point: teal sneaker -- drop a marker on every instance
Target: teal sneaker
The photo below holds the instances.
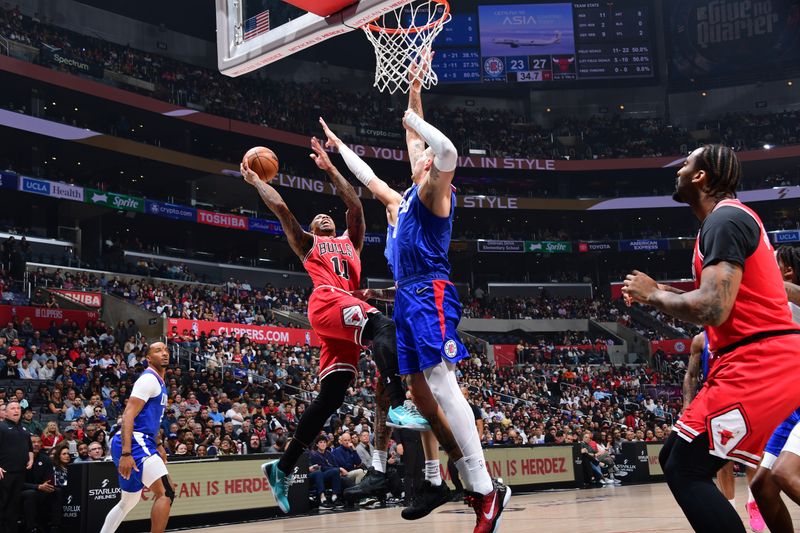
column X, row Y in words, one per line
column 407, row 417
column 278, row 482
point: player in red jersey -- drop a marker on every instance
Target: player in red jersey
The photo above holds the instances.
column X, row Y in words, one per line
column 341, row 321
column 741, row 301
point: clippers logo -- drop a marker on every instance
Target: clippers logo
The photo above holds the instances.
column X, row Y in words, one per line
column 450, row 348
column 494, row 67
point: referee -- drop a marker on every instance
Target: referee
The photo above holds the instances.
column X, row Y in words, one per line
column 16, row 456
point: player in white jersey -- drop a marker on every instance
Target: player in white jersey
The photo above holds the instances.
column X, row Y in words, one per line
column 137, row 452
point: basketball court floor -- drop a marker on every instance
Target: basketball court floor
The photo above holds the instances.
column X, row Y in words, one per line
column 639, row 508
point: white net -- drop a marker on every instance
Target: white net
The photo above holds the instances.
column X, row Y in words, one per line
column 403, row 38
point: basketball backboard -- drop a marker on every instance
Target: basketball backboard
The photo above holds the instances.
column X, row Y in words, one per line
column 255, row 33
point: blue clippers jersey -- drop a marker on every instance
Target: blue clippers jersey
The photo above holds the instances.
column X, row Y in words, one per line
column 704, row 358
column 149, row 418
column 421, row 240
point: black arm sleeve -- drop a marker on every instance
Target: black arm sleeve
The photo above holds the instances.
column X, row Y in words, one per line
column 729, row 234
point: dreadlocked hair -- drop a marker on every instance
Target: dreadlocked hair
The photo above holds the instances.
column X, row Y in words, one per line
column 723, row 169
column 790, row 257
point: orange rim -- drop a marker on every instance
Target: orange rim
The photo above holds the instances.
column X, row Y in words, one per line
column 394, row 31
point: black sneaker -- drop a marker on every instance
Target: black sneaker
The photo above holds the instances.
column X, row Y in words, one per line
column 374, row 483
column 426, row 500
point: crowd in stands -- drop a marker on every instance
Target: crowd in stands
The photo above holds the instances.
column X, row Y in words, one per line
column 277, row 104
column 482, row 306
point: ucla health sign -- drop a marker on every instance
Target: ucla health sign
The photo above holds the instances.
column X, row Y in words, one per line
column 35, row 186
column 54, row 189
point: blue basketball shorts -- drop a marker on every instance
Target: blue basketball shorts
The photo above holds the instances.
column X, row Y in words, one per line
column 779, row 439
column 148, row 461
column 427, row 313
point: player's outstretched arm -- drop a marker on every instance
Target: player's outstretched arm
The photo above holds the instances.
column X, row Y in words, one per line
column 356, row 225
column 710, row 304
column 445, row 158
column 692, row 377
column 362, row 171
column 300, row 240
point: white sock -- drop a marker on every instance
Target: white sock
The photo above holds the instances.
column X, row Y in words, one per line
column 750, row 497
column 432, row 473
column 733, row 503
column 379, row 460
column 478, row 475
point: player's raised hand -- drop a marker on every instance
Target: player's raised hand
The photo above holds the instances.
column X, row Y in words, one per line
column 320, row 156
column 333, row 141
column 248, row 174
column 419, row 68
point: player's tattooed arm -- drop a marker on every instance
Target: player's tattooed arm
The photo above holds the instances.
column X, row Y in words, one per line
column 692, row 377
column 356, row 225
column 300, row 240
column 710, row 304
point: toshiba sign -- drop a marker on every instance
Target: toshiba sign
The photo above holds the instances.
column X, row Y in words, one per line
column 89, row 299
column 222, row 220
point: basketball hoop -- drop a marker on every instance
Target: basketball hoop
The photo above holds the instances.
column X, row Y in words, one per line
column 402, row 38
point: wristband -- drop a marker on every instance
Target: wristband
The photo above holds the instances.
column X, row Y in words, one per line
column 125, row 454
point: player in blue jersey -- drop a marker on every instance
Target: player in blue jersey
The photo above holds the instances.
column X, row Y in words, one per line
column 433, row 492
column 139, row 455
column 700, row 362
column 427, row 308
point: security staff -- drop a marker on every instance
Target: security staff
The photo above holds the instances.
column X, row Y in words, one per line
column 41, row 499
column 16, row 456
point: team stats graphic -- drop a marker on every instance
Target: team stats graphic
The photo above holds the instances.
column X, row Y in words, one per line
column 548, row 42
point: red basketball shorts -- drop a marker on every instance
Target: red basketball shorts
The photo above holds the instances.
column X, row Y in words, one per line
column 338, row 318
column 748, row 393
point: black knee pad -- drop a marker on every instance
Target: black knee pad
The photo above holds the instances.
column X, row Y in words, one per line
column 168, row 490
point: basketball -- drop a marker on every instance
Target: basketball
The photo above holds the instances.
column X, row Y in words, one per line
column 263, row 162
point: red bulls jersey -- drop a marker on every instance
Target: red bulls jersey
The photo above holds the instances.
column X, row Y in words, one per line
column 334, row 261
column 761, row 304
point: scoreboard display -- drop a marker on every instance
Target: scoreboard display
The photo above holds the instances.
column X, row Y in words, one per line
column 548, row 42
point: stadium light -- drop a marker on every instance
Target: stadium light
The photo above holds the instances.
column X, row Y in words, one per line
column 767, row 147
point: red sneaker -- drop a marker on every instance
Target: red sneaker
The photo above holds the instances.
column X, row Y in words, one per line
column 489, row 507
